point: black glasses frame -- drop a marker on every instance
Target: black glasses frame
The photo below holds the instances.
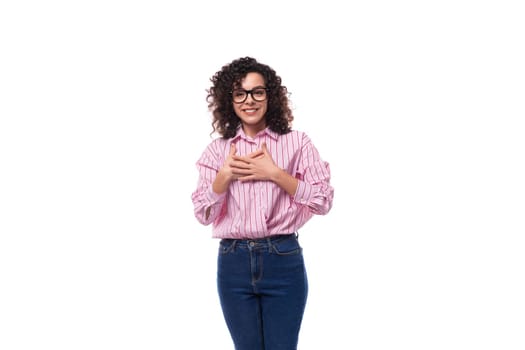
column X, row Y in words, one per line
column 250, row 92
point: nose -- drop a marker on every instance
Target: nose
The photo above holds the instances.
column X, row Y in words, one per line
column 249, row 99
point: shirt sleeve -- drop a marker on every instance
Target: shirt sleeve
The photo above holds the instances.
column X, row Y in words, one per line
column 207, row 204
column 314, row 189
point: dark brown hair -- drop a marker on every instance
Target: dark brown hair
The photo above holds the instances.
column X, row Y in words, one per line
column 278, row 115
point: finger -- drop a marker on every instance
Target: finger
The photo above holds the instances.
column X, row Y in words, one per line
column 232, row 149
column 256, row 154
column 237, row 176
column 246, row 178
column 242, row 159
column 265, row 149
column 241, row 172
column 239, row 164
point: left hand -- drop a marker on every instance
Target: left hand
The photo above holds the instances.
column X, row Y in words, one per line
column 258, row 165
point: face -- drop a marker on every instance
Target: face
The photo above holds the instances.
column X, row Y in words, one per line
column 252, row 111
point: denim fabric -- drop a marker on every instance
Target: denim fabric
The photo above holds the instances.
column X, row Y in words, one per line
column 263, row 289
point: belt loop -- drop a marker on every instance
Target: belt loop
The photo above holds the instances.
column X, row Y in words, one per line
column 269, row 241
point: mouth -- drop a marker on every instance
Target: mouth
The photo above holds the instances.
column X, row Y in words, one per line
column 250, row 110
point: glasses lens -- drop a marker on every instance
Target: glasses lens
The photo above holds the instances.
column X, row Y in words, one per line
column 259, row 94
column 239, row 95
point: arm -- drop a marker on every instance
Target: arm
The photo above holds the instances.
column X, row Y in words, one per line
column 313, row 189
column 208, row 198
column 207, row 204
column 225, row 175
column 286, row 181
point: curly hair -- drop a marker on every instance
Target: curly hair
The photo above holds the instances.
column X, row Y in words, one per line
column 278, row 115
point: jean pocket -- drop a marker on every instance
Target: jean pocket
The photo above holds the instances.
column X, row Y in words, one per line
column 289, row 246
column 226, row 246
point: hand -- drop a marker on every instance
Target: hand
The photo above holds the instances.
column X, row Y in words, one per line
column 225, row 175
column 227, row 170
column 258, row 165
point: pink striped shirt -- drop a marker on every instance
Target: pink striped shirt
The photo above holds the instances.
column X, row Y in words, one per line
column 256, row 209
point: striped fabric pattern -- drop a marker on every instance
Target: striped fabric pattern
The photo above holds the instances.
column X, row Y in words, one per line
column 257, row 209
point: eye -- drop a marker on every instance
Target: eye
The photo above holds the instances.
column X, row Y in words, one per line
column 239, row 93
column 259, row 92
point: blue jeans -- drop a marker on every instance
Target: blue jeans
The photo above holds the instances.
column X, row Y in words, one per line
column 263, row 289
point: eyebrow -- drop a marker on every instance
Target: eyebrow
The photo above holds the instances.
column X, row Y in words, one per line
column 253, row 88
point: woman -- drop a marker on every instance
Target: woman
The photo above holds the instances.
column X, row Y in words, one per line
column 258, row 185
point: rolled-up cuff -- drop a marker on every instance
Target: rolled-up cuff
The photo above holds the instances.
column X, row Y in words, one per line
column 304, row 193
column 213, row 197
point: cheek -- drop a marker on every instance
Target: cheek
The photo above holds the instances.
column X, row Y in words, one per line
column 236, row 109
column 265, row 108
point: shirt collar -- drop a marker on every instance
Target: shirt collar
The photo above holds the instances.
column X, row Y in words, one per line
column 267, row 131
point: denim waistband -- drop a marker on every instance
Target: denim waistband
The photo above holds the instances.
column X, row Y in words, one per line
column 259, row 241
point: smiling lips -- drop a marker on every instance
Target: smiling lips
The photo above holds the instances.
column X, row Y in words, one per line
column 250, row 110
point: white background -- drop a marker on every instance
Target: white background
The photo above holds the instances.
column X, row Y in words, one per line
column 417, row 106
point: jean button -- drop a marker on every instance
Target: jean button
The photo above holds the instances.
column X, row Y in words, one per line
column 252, row 244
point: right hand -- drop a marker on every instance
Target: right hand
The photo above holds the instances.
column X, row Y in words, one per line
column 227, row 169
column 226, row 173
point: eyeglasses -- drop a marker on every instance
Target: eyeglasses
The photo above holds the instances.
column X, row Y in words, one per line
column 258, row 94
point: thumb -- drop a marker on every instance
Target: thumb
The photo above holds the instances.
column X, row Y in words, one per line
column 232, row 149
column 264, row 149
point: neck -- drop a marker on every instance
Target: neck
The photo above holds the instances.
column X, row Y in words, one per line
column 252, row 130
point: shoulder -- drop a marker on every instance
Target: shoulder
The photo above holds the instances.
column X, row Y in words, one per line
column 217, row 144
column 300, row 137
column 215, row 149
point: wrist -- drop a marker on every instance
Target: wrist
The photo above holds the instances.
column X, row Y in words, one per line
column 278, row 174
column 221, row 183
column 286, row 181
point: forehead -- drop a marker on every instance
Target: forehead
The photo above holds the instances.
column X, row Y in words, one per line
column 252, row 80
